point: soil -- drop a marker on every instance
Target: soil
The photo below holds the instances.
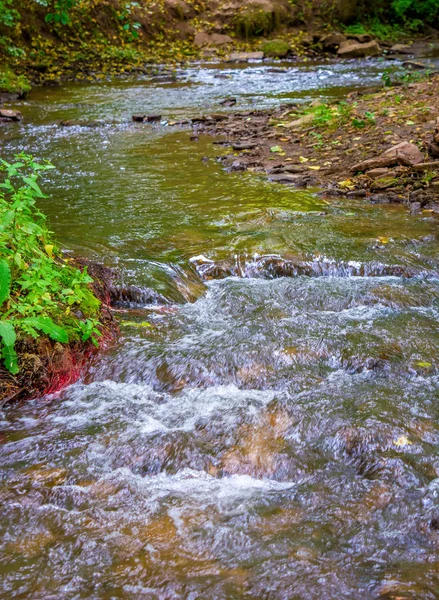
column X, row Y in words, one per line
column 290, row 146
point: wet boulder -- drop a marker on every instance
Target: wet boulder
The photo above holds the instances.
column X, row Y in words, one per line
column 352, row 49
column 228, row 101
column 332, row 41
column 10, row 115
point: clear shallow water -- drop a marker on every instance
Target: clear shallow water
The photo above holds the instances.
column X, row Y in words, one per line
column 275, row 437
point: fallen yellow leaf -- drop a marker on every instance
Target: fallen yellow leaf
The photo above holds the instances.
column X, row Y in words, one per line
column 402, row 441
column 347, row 184
column 49, row 250
column 302, row 159
column 383, row 240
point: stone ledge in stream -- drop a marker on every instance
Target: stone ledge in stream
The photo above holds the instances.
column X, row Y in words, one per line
column 272, row 266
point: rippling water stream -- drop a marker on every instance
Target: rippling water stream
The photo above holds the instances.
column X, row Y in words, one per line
column 272, row 432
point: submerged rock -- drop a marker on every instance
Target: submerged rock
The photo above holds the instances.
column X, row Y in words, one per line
column 81, row 123
column 140, row 118
column 285, row 177
column 228, row 101
column 133, row 295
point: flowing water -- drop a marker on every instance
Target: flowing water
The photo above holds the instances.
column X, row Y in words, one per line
column 270, row 432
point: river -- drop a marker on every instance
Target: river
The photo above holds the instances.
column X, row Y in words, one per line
column 272, row 432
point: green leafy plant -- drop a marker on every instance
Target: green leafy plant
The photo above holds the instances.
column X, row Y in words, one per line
column 358, row 123
column 8, row 16
column 59, row 10
column 326, row 116
column 416, row 11
column 370, row 118
column 125, row 15
column 40, row 292
column 385, row 77
column 323, row 114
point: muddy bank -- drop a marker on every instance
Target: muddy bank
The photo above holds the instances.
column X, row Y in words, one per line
column 383, row 145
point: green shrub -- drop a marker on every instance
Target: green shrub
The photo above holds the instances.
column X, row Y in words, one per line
column 40, row 293
column 424, row 10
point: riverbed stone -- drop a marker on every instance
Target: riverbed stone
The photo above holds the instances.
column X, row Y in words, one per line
column 404, row 153
column 245, row 56
column 211, row 39
column 378, row 172
column 360, row 37
column 245, row 145
column 299, row 123
column 332, row 41
column 285, row 178
column 10, row 115
column 350, row 49
column 415, row 208
column 401, row 49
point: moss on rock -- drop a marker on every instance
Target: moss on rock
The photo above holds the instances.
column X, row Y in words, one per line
column 276, row 49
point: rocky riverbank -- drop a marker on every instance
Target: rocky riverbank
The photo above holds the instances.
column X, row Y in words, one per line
column 383, row 146
column 92, row 41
